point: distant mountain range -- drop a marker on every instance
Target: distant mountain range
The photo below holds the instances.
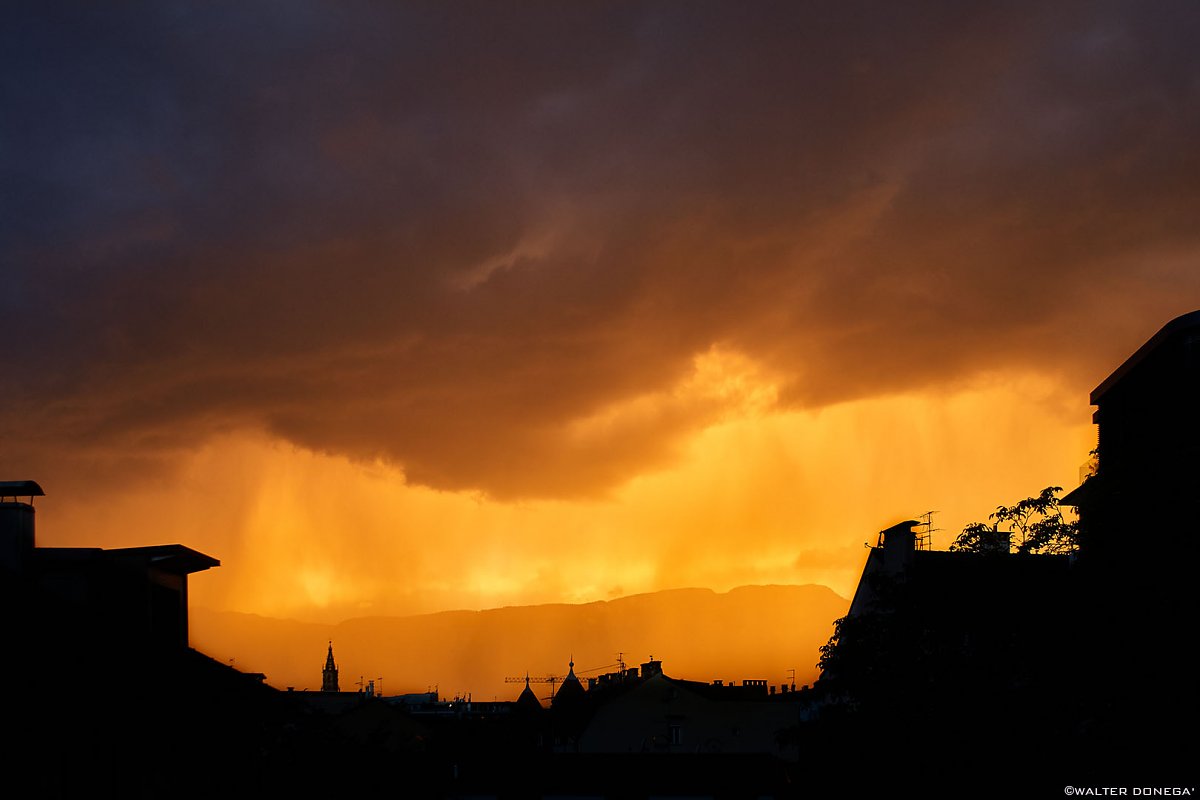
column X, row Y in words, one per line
column 751, row 632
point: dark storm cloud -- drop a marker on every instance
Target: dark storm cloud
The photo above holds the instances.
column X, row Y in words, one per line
column 440, row 233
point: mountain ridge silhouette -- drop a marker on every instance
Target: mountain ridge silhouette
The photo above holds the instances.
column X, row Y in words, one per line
column 750, row 631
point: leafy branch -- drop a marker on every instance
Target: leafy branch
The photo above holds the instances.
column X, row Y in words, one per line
column 1033, row 525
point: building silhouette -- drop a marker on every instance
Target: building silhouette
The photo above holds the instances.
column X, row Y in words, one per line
column 329, row 675
column 1147, row 458
column 110, row 699
column 1080, row 659
column 655, row 713
column 1139, row 522
column 131, row 596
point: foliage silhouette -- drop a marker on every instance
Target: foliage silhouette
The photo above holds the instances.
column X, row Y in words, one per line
column 1036, row 524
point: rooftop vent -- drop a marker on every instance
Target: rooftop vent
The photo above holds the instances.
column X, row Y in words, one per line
column 16, row 523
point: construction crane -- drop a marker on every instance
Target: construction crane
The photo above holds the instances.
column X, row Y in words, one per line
column 555, row 680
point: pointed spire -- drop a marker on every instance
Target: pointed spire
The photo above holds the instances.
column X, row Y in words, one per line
column 329, row 675
column 527, row 700
column 571, row 689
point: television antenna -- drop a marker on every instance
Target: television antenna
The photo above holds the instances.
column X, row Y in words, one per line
column 926, row 530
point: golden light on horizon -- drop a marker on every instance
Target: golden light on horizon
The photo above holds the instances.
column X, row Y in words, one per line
column 761, row 496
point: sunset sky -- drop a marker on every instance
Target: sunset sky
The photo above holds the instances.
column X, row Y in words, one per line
column 399, row 308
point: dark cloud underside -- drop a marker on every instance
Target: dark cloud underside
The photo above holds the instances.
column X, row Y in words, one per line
column 442, row 233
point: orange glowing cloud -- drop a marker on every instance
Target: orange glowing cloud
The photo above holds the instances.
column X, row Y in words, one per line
column 759, row 496
column 492, row 266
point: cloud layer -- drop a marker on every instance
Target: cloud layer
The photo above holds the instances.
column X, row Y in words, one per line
column 530, row 251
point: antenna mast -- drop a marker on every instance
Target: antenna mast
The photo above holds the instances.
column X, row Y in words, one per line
column 926, row 530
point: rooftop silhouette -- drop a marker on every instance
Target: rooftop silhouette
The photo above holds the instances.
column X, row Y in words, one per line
column 1045, row 652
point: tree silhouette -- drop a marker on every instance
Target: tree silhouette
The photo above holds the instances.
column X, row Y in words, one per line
column 1033, row 525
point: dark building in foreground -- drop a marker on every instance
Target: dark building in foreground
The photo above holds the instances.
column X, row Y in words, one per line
column 953, row 582
column 941, row 649
column 1143, row 500
column 108, row 698
column 1139, row 515
column 131, row 596
column 1077, row 666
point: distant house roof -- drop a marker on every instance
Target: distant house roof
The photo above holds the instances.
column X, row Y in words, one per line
column 1190, row 320
column 667, row 715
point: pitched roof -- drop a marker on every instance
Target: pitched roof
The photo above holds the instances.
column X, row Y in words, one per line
column 527, row 699
column 571, row 688
column 1181, row 323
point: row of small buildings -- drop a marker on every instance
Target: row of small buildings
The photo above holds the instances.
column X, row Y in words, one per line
column 636, row 709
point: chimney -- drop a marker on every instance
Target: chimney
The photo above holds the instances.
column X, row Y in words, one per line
column 650, row 668
column 16, row 524
column 995, row 541
column 899, row 542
